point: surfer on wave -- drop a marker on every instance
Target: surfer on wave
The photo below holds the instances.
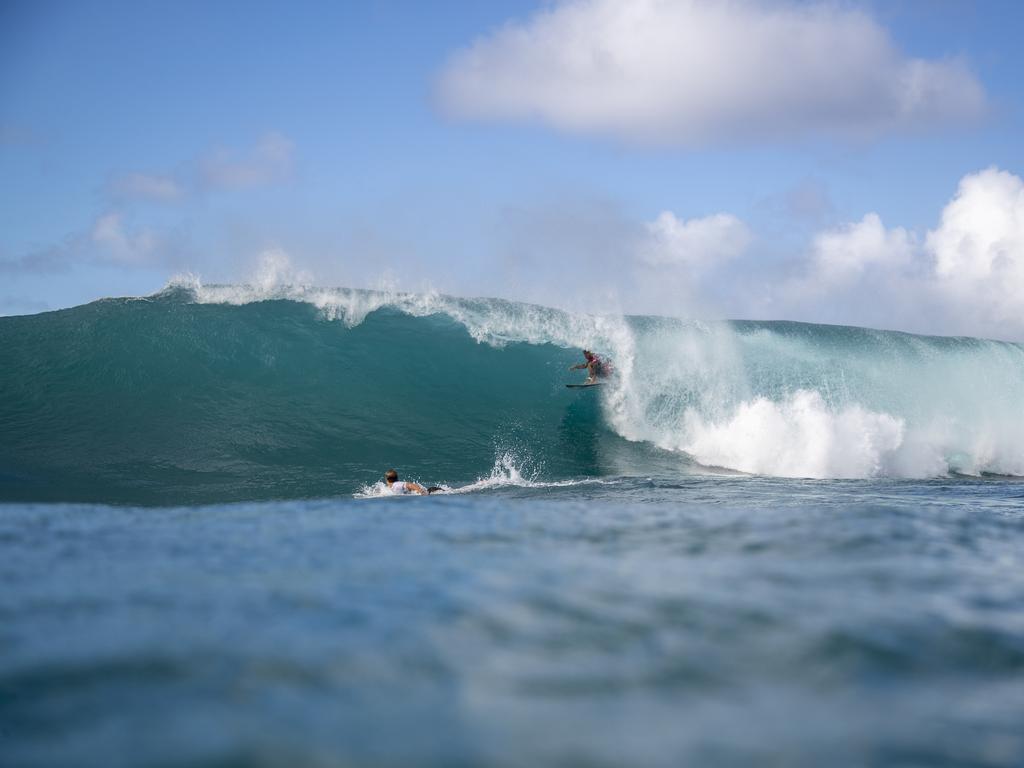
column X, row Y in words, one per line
column 596, row 367
column 399, row 487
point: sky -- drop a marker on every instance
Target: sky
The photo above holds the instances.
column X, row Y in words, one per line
column 841, row 162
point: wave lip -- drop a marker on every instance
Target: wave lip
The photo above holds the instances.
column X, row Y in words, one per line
column 496, row 322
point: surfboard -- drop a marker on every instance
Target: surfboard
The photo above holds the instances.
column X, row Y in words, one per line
column 585, row 386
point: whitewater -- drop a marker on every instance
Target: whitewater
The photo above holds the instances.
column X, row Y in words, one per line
column 760, row 543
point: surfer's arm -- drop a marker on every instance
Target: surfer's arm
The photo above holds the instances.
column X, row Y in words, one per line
column 578, row 367
column 416, row 488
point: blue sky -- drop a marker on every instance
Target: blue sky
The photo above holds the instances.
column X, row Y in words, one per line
column 539, row 151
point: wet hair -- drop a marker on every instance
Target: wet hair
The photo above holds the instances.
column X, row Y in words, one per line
column 391, row 476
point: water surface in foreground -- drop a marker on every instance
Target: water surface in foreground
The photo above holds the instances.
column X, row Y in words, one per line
column 712, row 621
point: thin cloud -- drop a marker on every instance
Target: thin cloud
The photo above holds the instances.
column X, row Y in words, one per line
column 808, row 200
column 121, row 246
column 15, row 135
column 271, row 161
column 143, row 186
column 18, row 305
column 110, row 240
column 591, row 256
column 117, row 235
column 688, row 72
column 42, row 260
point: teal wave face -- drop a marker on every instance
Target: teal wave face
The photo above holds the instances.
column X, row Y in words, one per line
column 170, row 401
column 220, row 394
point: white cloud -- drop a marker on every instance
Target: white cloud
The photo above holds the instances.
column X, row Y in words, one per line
column 697, row 71
column 845, row 253
column 978, row 249
column 119, row 245
column 675, row 261
column 965, row 277
column 697, row 244
column 269, row 162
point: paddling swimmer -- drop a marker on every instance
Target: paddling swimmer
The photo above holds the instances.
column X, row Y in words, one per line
column 398, row 487
column 596, row 367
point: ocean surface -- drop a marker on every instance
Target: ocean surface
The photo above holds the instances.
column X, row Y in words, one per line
column 760, row 543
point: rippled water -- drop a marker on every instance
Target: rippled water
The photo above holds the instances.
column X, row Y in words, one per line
column 705, row 621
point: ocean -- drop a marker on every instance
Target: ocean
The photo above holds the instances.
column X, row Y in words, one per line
column 760, row 543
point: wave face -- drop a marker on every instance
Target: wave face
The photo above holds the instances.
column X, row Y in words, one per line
column 204, row 394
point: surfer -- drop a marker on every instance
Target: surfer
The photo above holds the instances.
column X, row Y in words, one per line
column 399, row 487
column 596, row 367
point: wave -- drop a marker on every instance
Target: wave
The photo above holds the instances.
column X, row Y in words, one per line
column 210, row 393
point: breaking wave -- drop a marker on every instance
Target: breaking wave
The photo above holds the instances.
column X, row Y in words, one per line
column 208, row 393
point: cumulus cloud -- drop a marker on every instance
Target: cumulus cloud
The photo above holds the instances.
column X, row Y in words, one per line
column 965, row 276
column 270, row 161
column 697, row 244
column 698, row 71
column 844, row 254
column 978, row 249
